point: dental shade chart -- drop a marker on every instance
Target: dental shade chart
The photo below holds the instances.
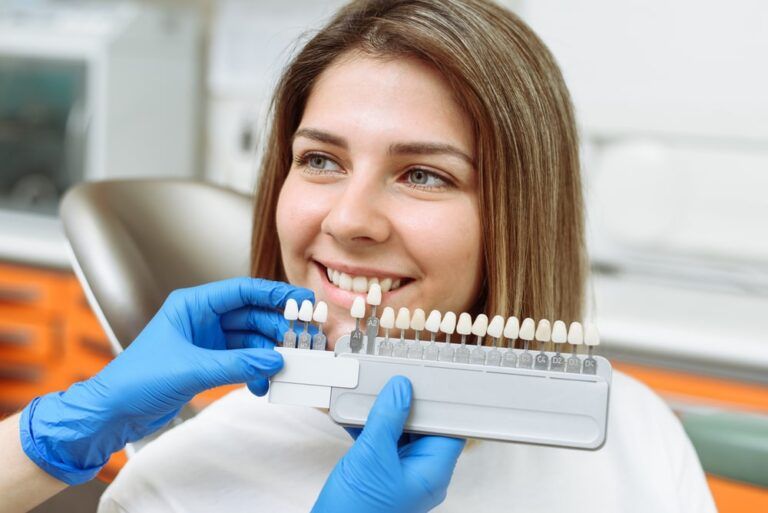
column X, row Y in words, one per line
column 489, row 389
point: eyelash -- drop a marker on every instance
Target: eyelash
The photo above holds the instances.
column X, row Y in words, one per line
column 302, row 161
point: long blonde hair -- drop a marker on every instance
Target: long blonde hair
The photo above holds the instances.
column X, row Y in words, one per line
column 525, row 138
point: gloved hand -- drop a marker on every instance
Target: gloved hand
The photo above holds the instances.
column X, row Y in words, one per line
column 202, row 337
column 386, row 471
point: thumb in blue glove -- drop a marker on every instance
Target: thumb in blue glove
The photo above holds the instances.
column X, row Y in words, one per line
column 386, row 471
column 202, row 337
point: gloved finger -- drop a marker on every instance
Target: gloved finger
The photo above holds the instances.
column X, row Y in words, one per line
column 389, row 413
column 269, row 323
column 246, row 339
column 433, row 459
column 224, row 296
column 225, row 367
column 258, row 387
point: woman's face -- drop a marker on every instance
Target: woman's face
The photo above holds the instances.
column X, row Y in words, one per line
column 382, row 187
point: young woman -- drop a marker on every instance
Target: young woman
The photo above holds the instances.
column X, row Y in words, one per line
column 429, row 145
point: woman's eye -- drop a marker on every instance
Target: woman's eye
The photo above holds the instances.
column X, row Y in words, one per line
column 316, row 163
column 423, row 179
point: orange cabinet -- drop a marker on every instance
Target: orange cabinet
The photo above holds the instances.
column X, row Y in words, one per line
column 49, row 338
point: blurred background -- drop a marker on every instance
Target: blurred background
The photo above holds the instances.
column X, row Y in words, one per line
column 673, row 111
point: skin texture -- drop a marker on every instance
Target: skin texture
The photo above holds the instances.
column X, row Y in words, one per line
column 23, row 485
column 357, row 197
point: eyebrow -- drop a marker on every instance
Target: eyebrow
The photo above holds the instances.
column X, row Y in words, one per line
column 410, row 148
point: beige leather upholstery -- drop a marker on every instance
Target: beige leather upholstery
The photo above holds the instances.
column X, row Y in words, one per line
column 135, row 241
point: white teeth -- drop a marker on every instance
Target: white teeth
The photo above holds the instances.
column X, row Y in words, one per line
column 360, row 284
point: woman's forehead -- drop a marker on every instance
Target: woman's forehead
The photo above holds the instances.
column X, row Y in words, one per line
column 393, row 101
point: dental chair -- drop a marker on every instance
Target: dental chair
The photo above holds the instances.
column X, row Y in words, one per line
column 133, row 242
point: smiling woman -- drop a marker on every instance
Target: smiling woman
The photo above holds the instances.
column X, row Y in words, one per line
column 393, row 201
column 429, row 146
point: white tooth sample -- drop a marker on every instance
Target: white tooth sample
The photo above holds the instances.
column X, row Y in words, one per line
column 305, row 312
column 512, row 328
column 480, row 326
column 575, row 334
column 464, row 326
column 395, row 284
column 543, row 331
column 374, row 295
column 496, row 326
column 448, row 324
column 418, row 319
column 591, row 335
column 360, row 284
column 386, row 284
column 291, row 312
column 527, row 329
column 387, row 320
column 321, row 312
column 403, row 320
column 358, row 308
column 433, row 322
column 559, row 332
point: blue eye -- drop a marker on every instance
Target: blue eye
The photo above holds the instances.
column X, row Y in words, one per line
column 317, row 163
column 423, row 179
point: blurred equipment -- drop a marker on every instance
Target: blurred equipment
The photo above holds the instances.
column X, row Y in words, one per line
column 91, row 90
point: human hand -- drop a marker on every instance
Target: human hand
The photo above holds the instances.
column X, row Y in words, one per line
column 386, row 471
column 202, row 337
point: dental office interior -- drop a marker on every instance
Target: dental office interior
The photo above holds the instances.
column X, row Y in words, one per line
column 672, row 111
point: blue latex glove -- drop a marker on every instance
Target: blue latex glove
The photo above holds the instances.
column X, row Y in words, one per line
column 202, row 337
column 386, row 471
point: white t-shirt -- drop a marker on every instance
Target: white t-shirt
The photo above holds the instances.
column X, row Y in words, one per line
column 244, row 454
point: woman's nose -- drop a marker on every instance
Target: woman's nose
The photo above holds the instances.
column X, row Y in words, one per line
column 358, row 215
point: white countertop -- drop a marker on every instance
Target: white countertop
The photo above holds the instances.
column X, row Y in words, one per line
column 33, row 239
column 718, row 328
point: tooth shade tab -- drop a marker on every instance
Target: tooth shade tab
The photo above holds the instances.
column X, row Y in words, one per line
column 358, row 308
column 559, row 332
column 512, row 328
column 448, row 324
column 305, row 312
column 496, row 326
column 403, row 320
column 527, row 329
column 291, row 312
column 544, row 331
column 433, row 322
column 387, row 320
column 464, row 326
column 591, row 335
column 480, row 326
column 374, row 294
column 575, row 334
column 321, row 312
column 418, row 320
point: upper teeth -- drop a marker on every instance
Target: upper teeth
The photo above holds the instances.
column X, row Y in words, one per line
column 359, row 283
